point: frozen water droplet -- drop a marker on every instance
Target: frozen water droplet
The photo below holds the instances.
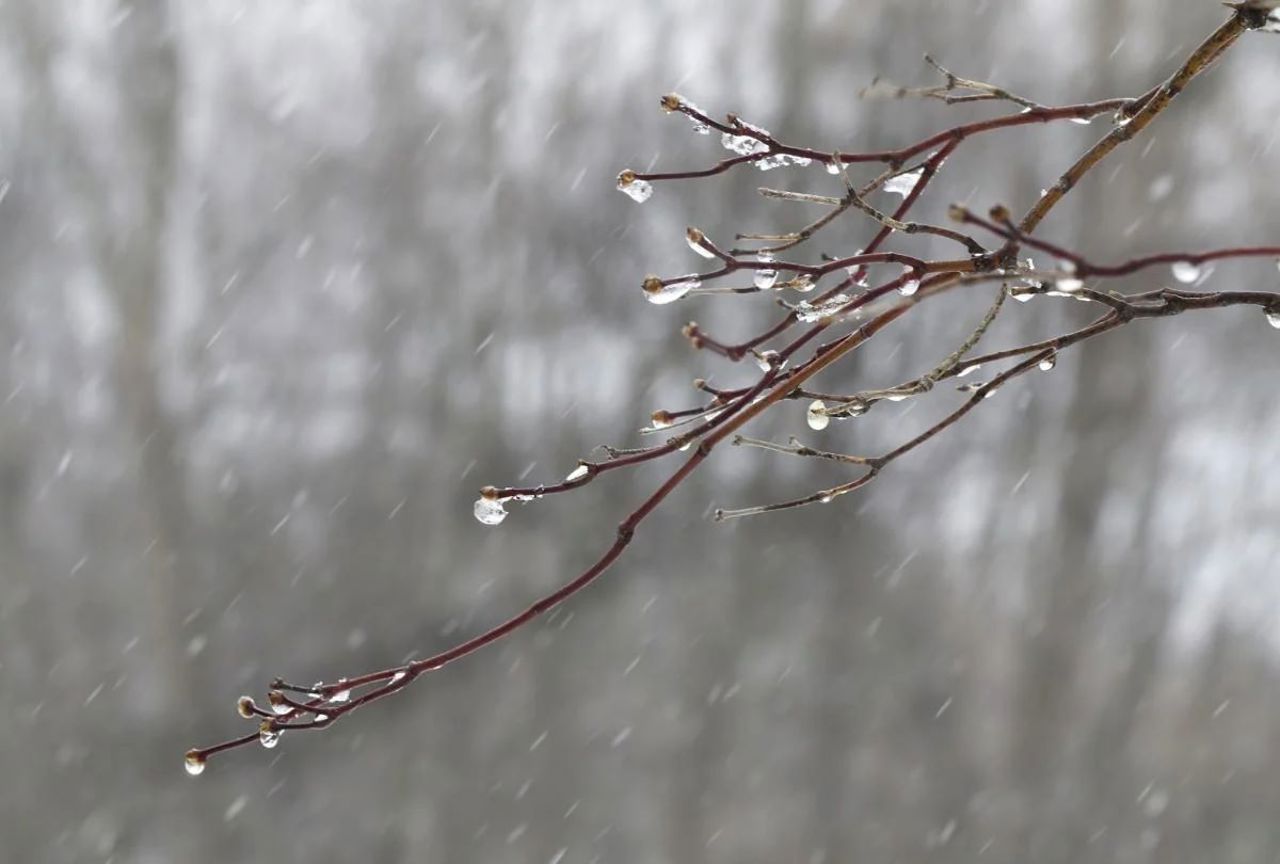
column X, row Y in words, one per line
column 1273, row 318
column 743, row 145
column 245, row 706
column 697, row 242
column 278, row 705
column 268, row 735
column 194, row 763
column 660, row 294
column 833, row 167
column 815, row 418
column 340, row 697
column 638, row 190
column 1070, row 285
column 969, row 370
column 904, row 184
column 911, row 286
column 766, row 360
column 577, row 473
column 896, row 397
column 1185, row 272
column 1048, row 363
column 1083, row 121
column 397, row 678
column 765, row 279
column 489, row 511
column 661, row 419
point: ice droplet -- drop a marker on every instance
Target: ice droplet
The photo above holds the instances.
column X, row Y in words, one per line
column 911, row 286
column 1185, row 272
column 577, row 473
column 764, row 279
column 194, row 763
column 660, row 294
column 638, row 190
column 342, row 695
column 743, row 145
column 766, row 360
column 661, row 419
column 697, row 242
column 268, row 735
column 1083, row 121
column 904, row 184
column 833, row 167
column 489, row 511
column 1273, row 318
column 1070, row 285
column 1048, row 363
column 969, row 370
column 815, row 417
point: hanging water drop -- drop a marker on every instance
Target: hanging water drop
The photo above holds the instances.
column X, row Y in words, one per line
column 911, row 286
column 1185, row 272
column 904, row 184
column 1083, row 121
column 766, row 278
column 833, row 167
column 268, row 735
column 766, row 360
column 578, row 473
column 489, row 511
column 1048, row 362
column 816, row 416
column 655, row 291
column 638, row 190
column 1273, row 318
column 278, row 703
column 697, row 242
column 1069, row 285
column 661, row 419
column 194, row 763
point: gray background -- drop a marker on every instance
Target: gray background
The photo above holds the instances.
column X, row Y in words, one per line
column 285, row 282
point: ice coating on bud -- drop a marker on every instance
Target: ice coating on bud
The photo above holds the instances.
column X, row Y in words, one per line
column 489, row 511
column 638, row 190
column 661, row 419
column 816, row 417
column 194, row 763
column 268, row 735
column 278, row 704
column 672, row 102
column 658, row 293
column 766, row 360
column 578, row 473
column 697, row 242
column 244, row 707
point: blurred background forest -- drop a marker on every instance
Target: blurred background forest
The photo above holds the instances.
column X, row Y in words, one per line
column 284, row 283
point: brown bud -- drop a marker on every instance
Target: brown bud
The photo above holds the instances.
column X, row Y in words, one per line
column 671, row 102
column 651, row 284
column 1000, row 213
column 489, row 493
column 244, row 707
column 958, row 212
column 626, row 178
